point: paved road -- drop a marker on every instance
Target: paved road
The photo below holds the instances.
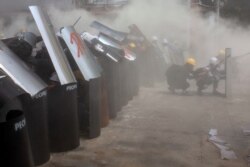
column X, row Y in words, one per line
column 158, row 129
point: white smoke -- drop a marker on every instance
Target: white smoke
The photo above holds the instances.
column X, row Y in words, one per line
column 168, row 19
column 12, row 24
column 163, row 18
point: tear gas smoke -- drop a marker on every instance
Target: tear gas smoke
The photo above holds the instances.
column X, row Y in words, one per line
column 172, row 20
column 163, row 18
column 12, row 24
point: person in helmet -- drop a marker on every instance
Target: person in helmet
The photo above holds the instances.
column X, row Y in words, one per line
column 211, row 74
column 217, row 71
column 206, row 76
column 177, row 75
column 203, row 79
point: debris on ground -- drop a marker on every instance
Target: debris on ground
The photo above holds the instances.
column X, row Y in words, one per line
column 217, row 140
column 213, row 132
column 246, row 131
column 226, row 152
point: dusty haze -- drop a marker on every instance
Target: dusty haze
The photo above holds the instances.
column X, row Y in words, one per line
column 164, row 18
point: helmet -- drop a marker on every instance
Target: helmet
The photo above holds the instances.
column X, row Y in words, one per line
column 221, row 55
column 154, row 38
column 191, row 61
column 222, row 52
column 132, row 45
column 213, row 61
column 165, row 41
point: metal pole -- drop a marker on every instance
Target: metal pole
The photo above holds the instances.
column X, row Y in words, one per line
column 189, row 26
column 228, row 69
column 218, row 11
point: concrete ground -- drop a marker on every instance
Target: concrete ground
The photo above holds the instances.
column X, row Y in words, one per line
column 158, row 129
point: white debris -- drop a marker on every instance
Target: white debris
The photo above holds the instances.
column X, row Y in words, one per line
column 224, row 147
column 246, row 131
column 213, row 132
column 221, row 147
column 216, row 139
column 228, row 154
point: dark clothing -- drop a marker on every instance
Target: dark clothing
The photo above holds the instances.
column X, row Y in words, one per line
column 217, row 74
column 203, row 78
column 208, row 75
column 177, row 76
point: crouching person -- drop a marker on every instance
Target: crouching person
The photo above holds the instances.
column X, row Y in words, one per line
column 177, row 75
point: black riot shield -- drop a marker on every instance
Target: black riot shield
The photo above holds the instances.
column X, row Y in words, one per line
column 33, row 98
column 89, row 108
column 88, row 73
column 15, row 149
column 36, row 114
column 63, row 118
column 62, row 97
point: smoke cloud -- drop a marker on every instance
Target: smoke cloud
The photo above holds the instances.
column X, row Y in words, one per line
column 168, row 19
column 12, row 24
column 199, row 36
